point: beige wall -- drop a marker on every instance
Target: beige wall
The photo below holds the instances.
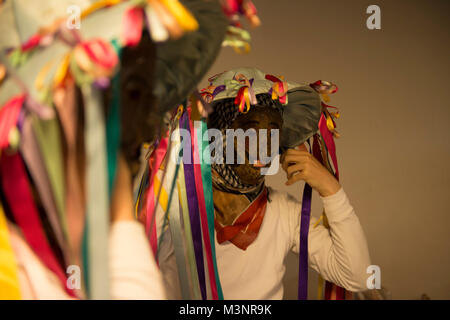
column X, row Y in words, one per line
column 394, row 98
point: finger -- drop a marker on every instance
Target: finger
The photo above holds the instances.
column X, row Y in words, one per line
column 294, row 159
column 295, row 168
column 295, row 178
column 283, row 163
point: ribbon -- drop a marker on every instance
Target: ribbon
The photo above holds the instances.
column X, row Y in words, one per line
column 324, row 87
column 66, row 105
column 133, row 20
column 139, row 194
column 327, row 130
column 211, row 91
column 208, row 196
column 2, row 73
column 167, row 19
column 245, row 95
column 97, row 206
column 157, row 30
column 329, row 142
column 61, row 71
column 35, row 165
column 150, row 227
column 17, row 191
column 47, row 134
column 97, row 6
column 202, row 208
column 181, row 187
column 31, row 43
column 243, row 98
column 233, row 8
column 303, row 257
column 39, row 81
column 193, row 208
column 184, row 18
column 237, row 38
column 101, row 53
column 326, row 289
column 9, row 115
column 279, row 89
column 113, row 125
column 9, row 281
column 171, row 207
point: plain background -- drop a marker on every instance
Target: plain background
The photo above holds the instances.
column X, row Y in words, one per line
column 394, row 101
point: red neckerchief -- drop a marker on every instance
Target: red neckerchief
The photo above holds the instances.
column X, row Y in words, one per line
column 245, row 229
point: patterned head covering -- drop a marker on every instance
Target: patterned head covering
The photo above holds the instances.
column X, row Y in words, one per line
column 300, row 103
column 234, row 92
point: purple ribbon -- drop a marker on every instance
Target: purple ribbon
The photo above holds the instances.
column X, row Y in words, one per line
column 194, row 214
column 218, row 90
column 303, row 257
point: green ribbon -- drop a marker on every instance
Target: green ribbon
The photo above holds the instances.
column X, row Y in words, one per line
column 113, row 125
column 48, row 136
column 205, row 161
column 97, row 217
column 233, row 85
column 112, row 147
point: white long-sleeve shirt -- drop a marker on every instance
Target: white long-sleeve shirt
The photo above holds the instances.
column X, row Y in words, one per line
column 339, row 254
column 133, row 271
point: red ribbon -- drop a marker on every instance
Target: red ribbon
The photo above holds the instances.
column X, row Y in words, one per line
column 31, row 43
column 158, row 157
column 281, row 91
column 9, row 114
column 101, row 53
column 329, row 142
column 18, row 194
column 132, row 24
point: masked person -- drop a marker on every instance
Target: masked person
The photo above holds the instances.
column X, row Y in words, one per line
column 78, row 100
column 256, row 226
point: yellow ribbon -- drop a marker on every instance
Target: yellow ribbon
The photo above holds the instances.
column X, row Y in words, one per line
column 9, row 281
column 2, row 73
column 39, row 81
column 164, row 197
column 98, row 5
column 62, row 70
column 245, row 99
column 330, row 124
column 325, row 97
column 320, row 288
column 184, row 18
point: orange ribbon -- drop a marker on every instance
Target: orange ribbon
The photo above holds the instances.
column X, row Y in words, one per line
column 279, row 88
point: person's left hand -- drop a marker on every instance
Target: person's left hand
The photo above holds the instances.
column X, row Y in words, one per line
column 301, row 165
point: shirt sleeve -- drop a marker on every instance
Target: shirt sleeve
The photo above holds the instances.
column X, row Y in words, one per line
column 133, row 270
column 339, row 254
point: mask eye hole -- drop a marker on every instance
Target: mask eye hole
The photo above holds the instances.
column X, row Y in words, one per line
column 133, row 89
